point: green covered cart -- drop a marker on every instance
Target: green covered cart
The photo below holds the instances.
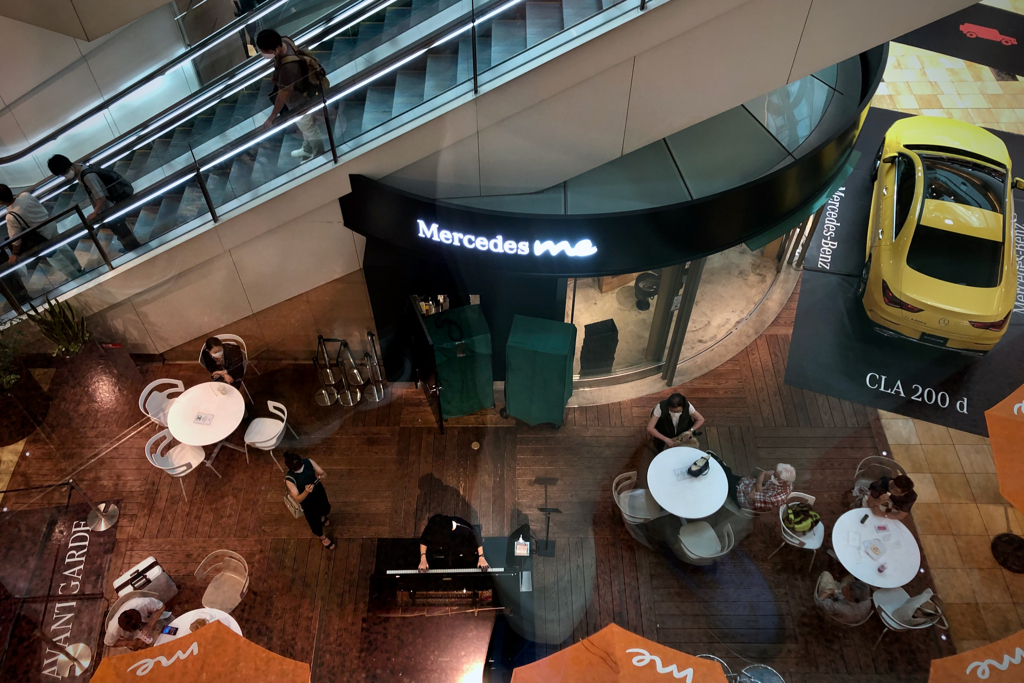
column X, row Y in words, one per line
column 538, row 361
column 462, row 351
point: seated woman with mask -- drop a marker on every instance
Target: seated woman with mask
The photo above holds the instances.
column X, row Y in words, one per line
column 225, row 362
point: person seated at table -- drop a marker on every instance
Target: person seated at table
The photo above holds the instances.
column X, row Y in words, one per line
column 890, row 497
column 134, row 623
column 673, row 422
column 848, row 602
column 768, row 491
column 450, row 543
column 224, row 362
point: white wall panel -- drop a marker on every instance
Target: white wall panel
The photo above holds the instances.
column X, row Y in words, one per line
column 53, row 15
column 49, row 106
column 703, row 72
column 100, row 17
column 192, row 302
column 302, row 254
column 564, row 135
column 121, row 323
column 451, row 172
column 837, row 29
column 31, row 55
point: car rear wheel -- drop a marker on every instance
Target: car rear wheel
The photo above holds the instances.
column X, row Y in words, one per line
column 1006, row 41
column 862, row 284
column 971, row 34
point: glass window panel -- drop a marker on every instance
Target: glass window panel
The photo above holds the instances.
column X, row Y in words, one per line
column 641, row 179
column 790, row 113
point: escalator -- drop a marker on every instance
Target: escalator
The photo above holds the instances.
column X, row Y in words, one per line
column 389, row 62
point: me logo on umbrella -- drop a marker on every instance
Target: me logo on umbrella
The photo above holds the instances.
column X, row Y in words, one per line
column 146, row 665
column 645, row 657
column 983, row 671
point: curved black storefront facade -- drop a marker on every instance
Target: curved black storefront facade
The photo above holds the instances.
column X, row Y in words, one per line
column 518, row 262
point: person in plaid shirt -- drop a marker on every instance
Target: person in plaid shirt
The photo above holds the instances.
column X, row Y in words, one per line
column 768, row 491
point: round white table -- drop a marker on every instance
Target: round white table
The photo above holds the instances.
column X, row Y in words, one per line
column 679, row 493
column 207, row 413
column 902, row 557
column 183, row 622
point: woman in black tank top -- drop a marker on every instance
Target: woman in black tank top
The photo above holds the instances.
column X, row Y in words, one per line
column 304, row 482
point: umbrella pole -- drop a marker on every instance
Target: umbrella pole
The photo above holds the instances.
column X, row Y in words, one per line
column 80, row 649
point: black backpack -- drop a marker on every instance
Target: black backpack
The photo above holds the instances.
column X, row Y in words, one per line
column 118, row 189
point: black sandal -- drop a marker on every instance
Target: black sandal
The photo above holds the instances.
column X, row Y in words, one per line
column 332, row 546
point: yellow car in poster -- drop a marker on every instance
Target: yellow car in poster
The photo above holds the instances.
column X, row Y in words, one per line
column 940, row 265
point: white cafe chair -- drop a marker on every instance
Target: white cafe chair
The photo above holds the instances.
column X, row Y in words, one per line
column 874, row 467
column 246, row 364
column 156, row 404
column 177, row 461
column 811, row 540
column 266, row 433
column 896, row 609
column 636, row 506
column 702, row 544
column 821, row 610
column 230, row 582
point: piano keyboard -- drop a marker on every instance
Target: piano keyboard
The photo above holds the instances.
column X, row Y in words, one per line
column 473, row 570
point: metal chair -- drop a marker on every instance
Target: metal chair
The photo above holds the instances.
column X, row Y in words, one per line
column 230, row 579
column 730, row 677
column 702, row 544
column 634, row 504
column 178, row 461
column 760, row 673
column 873, row 467
column 237, row 341
column 738, row 511
column 156, row 404
column 821, row 610
column 896, row 609
column 266, row 433
column 812, row 540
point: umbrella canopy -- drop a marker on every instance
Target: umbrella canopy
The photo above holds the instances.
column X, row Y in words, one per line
column 213, row 653
column 998, row 662
column 614, row 655
column 1006, row 432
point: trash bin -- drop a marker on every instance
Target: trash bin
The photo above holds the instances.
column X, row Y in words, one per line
column 148, row 576
column 538, row 361
column 462, row 350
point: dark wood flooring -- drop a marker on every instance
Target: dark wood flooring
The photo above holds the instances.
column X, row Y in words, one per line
column 389, row 469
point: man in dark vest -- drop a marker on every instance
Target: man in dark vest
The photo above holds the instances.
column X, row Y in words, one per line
column 673, row 422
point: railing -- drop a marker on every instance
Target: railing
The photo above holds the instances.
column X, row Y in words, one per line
column 482, row 45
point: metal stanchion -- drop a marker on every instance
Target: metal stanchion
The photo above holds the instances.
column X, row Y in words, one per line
column 325, row 370
column 372, row 390
column 77, row 654
column 352, row 373
column 348, row 395
column 326, row 394
column 102, row 516
column 372, row 339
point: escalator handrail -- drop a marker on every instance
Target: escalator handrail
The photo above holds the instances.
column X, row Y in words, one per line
column 189, row 54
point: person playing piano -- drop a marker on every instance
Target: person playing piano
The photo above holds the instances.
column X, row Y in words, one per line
column 450, row 543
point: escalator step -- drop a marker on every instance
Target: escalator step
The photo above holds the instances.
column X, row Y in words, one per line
column 380, row 101
column 352, row 116
column 167, row 215
column 508, row 38
column 575, row 11
column 409, row 88
column 442, row 74
column 146, row 222
column 343, row 45
column 140, row 159
column 543, row 20
column 369, row 31
column 394, row 16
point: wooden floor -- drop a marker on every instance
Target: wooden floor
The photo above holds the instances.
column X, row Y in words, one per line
column 389, row 469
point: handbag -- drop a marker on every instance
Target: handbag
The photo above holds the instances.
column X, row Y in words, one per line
column 700, row 467
column 293, row 507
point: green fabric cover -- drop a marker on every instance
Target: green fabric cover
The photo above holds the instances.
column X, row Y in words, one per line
column 538, row 362
column 468, row 382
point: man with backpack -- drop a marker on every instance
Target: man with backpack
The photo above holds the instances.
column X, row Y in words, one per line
column 298, row 78
column 24, row 212
column 105, row 189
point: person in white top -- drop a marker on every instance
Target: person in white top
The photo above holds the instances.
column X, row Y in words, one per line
column 134, row 623
column 673, row 422
column 24, row 212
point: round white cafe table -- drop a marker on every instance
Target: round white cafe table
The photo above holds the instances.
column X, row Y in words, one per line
column 679, row 493
column 206, row 413
column 902, row 558
column 184, row 622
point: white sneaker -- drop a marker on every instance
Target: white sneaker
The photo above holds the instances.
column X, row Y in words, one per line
column 302, row 153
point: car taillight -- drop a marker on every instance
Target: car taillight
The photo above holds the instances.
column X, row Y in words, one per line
column 993, row 326
column 891, row 299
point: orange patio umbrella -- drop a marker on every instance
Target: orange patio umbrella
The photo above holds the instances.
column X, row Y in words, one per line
column 614, row 655
column 998, row 662
column 1006, row 432
column 214, row 653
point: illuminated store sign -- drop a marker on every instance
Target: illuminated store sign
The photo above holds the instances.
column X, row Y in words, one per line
column 503, row 246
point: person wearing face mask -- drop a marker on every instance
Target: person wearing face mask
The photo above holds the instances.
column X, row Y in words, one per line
column 105, row 188
column 294, row 89
column 768, row 491
column 673, row 422
column 224, row 362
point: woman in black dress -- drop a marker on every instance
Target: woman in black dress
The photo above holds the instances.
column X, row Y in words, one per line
column 305, row 476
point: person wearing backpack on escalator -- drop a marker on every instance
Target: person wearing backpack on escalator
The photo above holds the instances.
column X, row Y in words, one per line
column 105, row 188
column 298, row 80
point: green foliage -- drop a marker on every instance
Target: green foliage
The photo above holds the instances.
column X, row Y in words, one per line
column 8, row 352
column 58, row 322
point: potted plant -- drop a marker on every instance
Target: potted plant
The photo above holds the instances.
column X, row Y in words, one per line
column 60, row 323
column 22, row 401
